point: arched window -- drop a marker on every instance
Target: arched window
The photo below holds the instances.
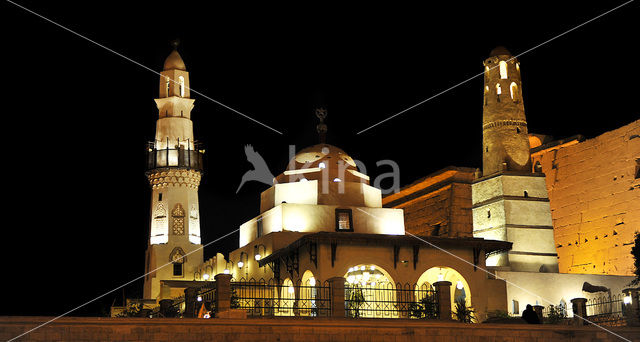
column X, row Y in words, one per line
column 514, row 90
column 503, row 69
column 498, row 89
column 168, row 85
column 178, row 258
column 181, row 86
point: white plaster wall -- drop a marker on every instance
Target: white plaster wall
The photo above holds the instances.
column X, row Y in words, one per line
column 308, row 218
column 550, row 288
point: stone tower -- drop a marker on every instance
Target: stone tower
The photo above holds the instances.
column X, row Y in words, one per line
column 174, row 168
column 510, row 202
column 503, row 115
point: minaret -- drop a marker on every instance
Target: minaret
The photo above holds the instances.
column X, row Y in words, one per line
column 174, row 169
column 509, row 201
column 505, row 139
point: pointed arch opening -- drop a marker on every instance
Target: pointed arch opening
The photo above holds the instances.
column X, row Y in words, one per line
column 287, row 298
column 460, row 289
column 514, row 91
column 181, row 83
column 503, row 70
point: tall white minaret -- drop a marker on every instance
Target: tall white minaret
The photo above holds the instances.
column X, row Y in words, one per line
column 174, row 168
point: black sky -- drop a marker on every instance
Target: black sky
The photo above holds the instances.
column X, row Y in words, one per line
column 78, row 116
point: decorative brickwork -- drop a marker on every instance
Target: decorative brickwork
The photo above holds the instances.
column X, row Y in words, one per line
column 169, row 178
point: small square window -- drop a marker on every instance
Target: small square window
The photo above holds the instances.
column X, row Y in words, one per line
column 344, row 220
column 177, row 269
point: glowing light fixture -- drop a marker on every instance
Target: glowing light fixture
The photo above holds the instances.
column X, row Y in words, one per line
column 258, row 257
column 627, row 300
column 226, row 271
column 240, row 264
column 291, row 289
column 199, row 298
column 303, row 180
column 322, row 165
column 205, row 276
column 337, row 180
column 459, row 285
column 312, row 281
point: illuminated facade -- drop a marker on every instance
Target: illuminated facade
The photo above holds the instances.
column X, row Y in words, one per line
column 566, row 206
column 173, row 170
column 321, row 219
column 594, row 188
column 509, row 202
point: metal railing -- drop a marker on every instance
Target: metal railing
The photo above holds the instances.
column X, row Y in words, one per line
column 268, row 298
column 608, row 310
column 176, row 157
column 391, row 301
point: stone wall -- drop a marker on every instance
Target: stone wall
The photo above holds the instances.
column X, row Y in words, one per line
column 437, row 205
column 594, row 189
column 186, row 330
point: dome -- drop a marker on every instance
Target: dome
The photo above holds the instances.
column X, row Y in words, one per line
column 499, row 51
column 326, row 153
column 174, row 61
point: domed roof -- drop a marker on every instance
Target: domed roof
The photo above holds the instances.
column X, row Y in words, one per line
column 174, row 61
column 498, row 51
column 323, row 152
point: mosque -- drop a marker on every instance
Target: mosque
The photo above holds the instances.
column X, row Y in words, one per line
column 492, row 233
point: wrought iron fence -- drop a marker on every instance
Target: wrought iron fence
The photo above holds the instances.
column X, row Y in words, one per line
column 269, row 298
column 608, row 310
column 391, row 301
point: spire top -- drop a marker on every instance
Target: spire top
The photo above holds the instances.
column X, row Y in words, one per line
column 321, row 113
column 174, row 43
column 174, row 60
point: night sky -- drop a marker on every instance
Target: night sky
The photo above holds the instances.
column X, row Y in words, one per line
column 77, row 117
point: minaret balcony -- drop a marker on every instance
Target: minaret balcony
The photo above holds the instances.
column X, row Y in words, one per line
column 179, row 157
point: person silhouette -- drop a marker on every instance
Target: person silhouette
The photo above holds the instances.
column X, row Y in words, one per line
column 530, row 316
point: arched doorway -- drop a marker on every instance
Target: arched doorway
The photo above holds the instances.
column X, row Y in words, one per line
column 370, row 292
column 307, row 293
column 287, row 298
column 460, row 289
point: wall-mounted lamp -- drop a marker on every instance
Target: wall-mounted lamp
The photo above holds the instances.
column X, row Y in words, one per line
column 259, row 251
column 244, row 258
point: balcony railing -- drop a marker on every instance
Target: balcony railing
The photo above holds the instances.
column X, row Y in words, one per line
column 180, row 157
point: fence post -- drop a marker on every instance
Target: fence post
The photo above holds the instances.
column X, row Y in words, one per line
column 580, row 309
column 443, row 291
column 190, row 300
column 223, row 292
column 337, row 297
column 633, row 312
